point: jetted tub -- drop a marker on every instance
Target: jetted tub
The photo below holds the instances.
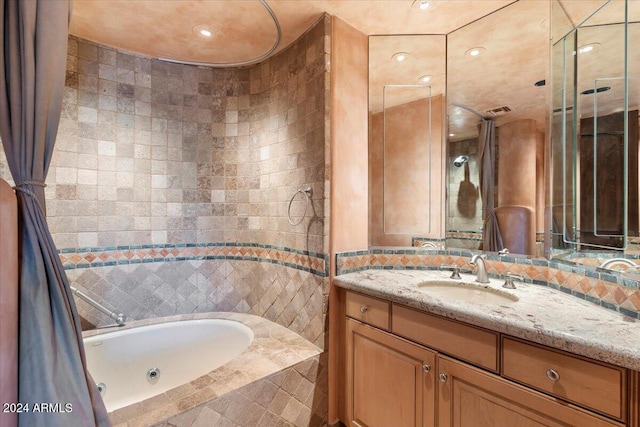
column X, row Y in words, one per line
column 135, row 364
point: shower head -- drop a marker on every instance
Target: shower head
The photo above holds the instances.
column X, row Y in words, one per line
column 460, row 160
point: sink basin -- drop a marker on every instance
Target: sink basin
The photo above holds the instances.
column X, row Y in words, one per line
column 468, row 292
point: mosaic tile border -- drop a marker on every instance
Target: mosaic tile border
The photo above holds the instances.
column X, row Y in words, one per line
column 611, row 291
column 311, row 262
column 475, row 236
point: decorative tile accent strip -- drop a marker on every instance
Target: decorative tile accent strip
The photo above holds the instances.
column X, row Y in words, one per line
column 464, row 235
column 350, row 262
column 613, row 291
column 312, row 262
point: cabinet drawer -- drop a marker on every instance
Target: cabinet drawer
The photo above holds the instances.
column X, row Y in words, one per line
column 368, row 310
column 592, row 384
column 468, row 343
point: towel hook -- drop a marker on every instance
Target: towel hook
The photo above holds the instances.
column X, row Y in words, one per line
column 307, row 192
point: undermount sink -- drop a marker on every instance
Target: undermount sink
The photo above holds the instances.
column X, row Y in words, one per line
column 468, row 292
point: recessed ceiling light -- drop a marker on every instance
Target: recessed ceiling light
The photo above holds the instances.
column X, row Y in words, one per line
column 452, row 134
column 400, row 56
column 424, row 79
column 588, row 47
column 421, row 4
column 475, row 51
column 203, row 31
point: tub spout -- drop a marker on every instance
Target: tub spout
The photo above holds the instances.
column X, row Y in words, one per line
column 118, row 317
column 618, row 261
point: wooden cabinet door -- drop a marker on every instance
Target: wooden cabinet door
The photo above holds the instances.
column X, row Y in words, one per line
column 469, row 397
column 390, row 381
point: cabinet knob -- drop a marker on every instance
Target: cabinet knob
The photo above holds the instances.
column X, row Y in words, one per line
column 426, row 368
column 553, row 375
column 363, row 309
column 442, row 378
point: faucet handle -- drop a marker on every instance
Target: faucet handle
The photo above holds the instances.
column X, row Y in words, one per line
column 455, row 270
column 509, row 277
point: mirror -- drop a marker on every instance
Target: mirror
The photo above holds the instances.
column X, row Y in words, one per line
column 406, row 135
column 493, row 65
column 594, row 144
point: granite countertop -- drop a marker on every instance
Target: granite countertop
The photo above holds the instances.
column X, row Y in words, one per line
column 542, row 315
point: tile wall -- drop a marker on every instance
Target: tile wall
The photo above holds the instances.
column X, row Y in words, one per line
column 153, row 156
column 294, row 397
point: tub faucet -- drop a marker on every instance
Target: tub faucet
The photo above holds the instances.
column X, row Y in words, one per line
column 429, row 245
column 614, row 261
column 481, row 275
column 118, row 317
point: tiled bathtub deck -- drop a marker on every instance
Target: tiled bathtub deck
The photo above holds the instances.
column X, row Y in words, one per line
column 291, row 365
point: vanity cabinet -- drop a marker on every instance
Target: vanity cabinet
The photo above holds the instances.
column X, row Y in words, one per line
column 470, row 397
column 405, row 367
column 390, row 381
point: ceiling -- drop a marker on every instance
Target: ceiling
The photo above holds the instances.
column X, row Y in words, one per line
column 243, row 29
column 515, row 35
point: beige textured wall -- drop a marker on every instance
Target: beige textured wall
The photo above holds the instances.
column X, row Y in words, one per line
column 405, row 174
column 348, row 172
column 518, row 184
column 349, row 162
column 517, row 163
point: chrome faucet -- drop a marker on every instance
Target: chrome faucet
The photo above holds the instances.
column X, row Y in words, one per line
column 118, row 317
column 623, row 261
column 429, row 245
column 481, row 275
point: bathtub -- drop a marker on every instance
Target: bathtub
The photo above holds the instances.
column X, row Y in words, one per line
column 255, row 349
column 135, row 364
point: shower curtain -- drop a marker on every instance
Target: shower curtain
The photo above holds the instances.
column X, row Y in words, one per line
column 491, row 237
column 52, row 367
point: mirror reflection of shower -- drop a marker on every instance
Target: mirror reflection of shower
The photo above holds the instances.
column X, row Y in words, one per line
column 464, row 205
column 460, row 160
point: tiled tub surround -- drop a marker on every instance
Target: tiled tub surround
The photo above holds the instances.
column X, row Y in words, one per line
column 540, row 314
column 293, row 298
column 280, row 378
column 614, row 292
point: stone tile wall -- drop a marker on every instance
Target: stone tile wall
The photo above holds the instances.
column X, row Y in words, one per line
column 292, row 298
column 294, row 397
column 152, row 154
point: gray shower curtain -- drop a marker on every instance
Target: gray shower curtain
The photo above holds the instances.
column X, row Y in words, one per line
column 52, row 367
column 491, row 237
